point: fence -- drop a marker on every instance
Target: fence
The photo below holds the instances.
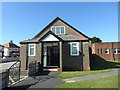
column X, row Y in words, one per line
column 14, row 73
column 11, row 74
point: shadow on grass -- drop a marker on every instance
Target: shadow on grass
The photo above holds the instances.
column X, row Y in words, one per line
column 98, row 63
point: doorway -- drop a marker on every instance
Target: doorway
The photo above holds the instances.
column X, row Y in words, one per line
column 50, row 55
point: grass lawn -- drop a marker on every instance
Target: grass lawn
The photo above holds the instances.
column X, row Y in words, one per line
column 70, row 74
column 117, row 63
column 97, row 66
column 107, row 82
column 103, row 64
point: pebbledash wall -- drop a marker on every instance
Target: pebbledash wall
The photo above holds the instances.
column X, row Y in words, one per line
column 106, row 50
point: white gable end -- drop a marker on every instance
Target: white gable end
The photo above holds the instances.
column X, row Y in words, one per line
column 50, row 37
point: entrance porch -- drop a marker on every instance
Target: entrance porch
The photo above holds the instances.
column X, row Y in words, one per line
column 50, row 56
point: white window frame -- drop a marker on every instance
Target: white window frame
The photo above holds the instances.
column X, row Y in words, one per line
column 77, row 45
column 107, row 50
column 15, row 49
column 29, row 49
column 116, row 49
column 60, row 29
column 99, row 50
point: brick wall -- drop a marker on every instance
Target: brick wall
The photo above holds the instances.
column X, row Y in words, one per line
column 99, row 50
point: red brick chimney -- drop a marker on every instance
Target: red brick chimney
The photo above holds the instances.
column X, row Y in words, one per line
column 11, row 42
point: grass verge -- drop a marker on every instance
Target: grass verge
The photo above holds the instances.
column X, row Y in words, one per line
column 107, row 82
column 70, row 74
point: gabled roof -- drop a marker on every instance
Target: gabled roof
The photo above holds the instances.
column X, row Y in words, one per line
column 70, row 37
column 10, row 44
column 65, row 37
column 63, row 22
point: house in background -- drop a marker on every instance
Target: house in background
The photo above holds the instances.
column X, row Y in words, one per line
column 10, row 49
column 106, row 50
column 1, row 50
column 59, row 46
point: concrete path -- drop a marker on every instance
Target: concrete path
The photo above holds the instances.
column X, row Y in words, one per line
column 94, row 76
column 44, row 81
column 50, row 80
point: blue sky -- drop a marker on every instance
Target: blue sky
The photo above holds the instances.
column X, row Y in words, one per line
column 23, row 20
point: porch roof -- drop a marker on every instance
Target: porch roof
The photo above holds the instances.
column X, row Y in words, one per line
column 66, row 37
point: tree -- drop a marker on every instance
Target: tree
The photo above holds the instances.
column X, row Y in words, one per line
column 95, row 39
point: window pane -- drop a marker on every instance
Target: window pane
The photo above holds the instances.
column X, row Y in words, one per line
column 31, row 46
column 53, row 30
column 62, row 30
column 57, row 30
column 118, row 50
column 74, row 50
column 31, row 51
column 106, row 51
column 101, row 50
column 114, row 50
column 98, row 51
column 74, row 45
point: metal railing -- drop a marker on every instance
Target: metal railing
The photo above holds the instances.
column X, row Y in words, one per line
column 14, row 73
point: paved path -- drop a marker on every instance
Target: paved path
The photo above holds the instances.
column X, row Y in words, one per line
column 43, row 81
column 50, row 80
column 94, row 76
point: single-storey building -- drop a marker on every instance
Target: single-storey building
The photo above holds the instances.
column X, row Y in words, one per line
column 57, row 47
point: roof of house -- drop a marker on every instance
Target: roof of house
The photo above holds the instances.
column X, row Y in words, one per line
column 10, row 44
column 57, row 18
column 65, row 37
column 70, row 37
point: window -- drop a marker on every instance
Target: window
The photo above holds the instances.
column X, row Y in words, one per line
column 31, row 50
column 106, row 51
column 11, row 49
column 116, row 50
column 101, row 50
column 58, row 30
column 74, row 48
column 15, row 49
column 98, row 51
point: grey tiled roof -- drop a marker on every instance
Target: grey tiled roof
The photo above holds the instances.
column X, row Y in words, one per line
column 69, row 37
column 63, row 37
column 31, row 40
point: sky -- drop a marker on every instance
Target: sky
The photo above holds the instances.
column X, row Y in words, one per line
column 23, row 20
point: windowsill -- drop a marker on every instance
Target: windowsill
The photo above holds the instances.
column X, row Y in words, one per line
column 50, row 66
column 31, row 55
column 59, row 34
column 74, row 55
